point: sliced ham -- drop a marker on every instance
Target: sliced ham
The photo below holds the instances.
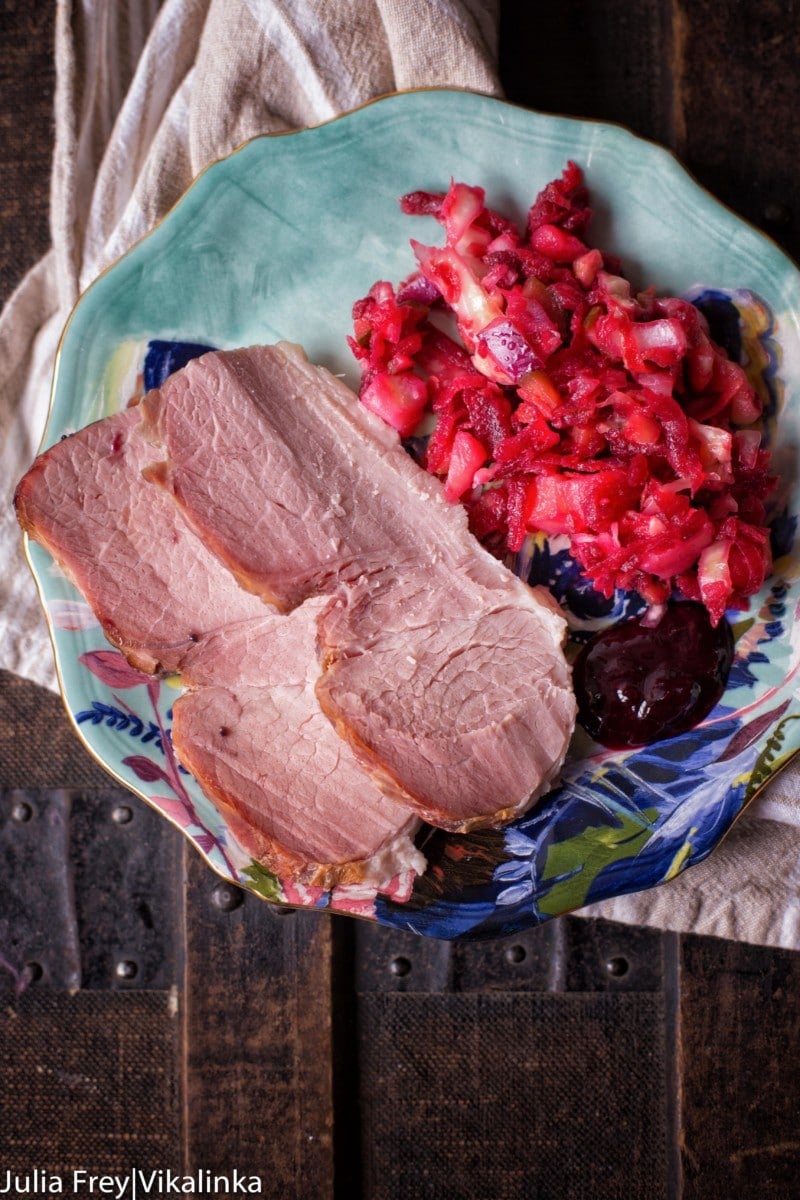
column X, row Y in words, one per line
column 251, row 727
column 251, row 731
column 292, row 482
column 444, row 672
column 396, row 672
column 152, row 584
column 456, row 698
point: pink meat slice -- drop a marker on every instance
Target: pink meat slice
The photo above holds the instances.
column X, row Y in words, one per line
column 251, row 731
column 291, row 481
column 444, row 672
column 457, row 699
column 251, row 728
column 154, row 587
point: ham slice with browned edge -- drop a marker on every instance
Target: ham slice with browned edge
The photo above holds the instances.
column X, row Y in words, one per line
column 152, row 584
column 251, row 731
column 251, row 728
column 444, row 672
column 452, row 696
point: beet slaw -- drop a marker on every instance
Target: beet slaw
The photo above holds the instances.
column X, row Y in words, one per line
column 566, row 403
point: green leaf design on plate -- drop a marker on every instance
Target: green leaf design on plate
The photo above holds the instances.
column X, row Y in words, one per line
column 770, row 758
column 263, row 881
column 595, row 847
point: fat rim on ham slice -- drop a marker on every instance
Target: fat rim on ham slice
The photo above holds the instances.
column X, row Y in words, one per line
column 301, row 491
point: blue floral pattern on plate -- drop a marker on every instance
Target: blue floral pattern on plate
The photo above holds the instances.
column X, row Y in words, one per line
column 276, row 242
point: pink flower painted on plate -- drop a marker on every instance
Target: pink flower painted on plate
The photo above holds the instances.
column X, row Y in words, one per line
column 300, row 894
column 175, row 810
column 401, row 887
column 357, row 899
column 113, row 669
column 73, row 616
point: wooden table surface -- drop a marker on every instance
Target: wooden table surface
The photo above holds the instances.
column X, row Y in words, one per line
column 165, row 1022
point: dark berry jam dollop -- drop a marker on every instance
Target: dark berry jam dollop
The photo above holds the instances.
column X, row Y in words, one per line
column 635, row 685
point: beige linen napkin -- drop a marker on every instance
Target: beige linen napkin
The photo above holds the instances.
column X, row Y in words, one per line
column 146, row 96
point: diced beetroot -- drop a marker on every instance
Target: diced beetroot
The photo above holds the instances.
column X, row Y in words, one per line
column 459, row 288
column 461, row 209
column 564, row 202
column 487, row 515
column 531, row 313
column 750, row 558
column 628, row 425
column 676, row 549
column 488, row 415
column 440, row 356
column 641, row 429
column 440, row 443
column 517, row 490
column 606, row 332
column 659, row 343
column 422, row 204
column 525, row 450
column 583, row 443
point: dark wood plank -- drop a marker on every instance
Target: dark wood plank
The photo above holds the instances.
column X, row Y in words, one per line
column 38, row 934
column 88, row 1081
column 126, row 891
column 605, row 956
column 611, row 60
column 716, row 82
column 539, row 1064
column 38, row 745
column 509, row 1095
column 571, row 954
column 552, row 1050
column 27, row 82
column 257, row 1038
column 738, row 91
column 740, row 1029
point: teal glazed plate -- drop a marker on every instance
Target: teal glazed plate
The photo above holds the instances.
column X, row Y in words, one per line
column 277, row 242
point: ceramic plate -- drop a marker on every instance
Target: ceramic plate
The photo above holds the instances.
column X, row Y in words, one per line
column 277, row 241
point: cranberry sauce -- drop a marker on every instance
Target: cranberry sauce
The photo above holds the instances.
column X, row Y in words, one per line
column 636, row 684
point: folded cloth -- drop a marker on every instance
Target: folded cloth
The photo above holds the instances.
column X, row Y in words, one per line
column 148, row 94
column 146, row 97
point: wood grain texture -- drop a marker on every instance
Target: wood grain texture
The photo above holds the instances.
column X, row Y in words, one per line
column 89, row 1081
column 27, row 81
column 38, row 746
column 504, row 1095
column 740, row 1029
column 738, row 91
column 715, row 82
column 126, row 890
column 607, row 59
column 257, row 1039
